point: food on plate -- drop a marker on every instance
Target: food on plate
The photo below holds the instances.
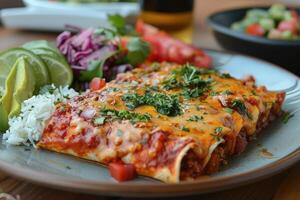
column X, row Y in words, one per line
column 150, row 105
column 166, row 121
column 104, row 52
column 23, row 71
column 275, row 23
column 35, row 112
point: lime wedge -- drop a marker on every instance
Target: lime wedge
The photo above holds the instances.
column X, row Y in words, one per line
column 19, row 86
column 37, row 44
column 60, row 72
column 40, row 47
column 59, row 69
column 8, row 59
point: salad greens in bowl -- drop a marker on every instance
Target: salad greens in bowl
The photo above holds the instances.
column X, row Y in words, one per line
column 277, row 22
column 229, row 28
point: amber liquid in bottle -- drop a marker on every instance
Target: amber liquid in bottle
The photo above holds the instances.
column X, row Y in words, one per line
column 167, row 14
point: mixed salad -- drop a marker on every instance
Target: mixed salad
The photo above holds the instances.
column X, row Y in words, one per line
column 82, row 60
column 277, row 22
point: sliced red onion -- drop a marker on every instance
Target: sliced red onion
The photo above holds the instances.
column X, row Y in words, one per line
column 61, row 38
column 80, row 39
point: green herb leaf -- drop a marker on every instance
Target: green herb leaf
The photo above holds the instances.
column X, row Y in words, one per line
column 186, row 129
column 217, row 133
column 99, row 120
column 119, row 23
column 188, row 78
column 254, row 92
column 286, row 117
column 228, row 110
column 225, row 75
column 218, row 130
column 213, row 93
column 240, row 107
column 195, row 118
column 94, row 70
column 138, row 51
column 155, row 66
column 227, row 92
column 108, row 34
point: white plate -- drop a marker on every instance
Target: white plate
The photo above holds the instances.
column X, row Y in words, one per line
column 282, row 140
column 120, row 8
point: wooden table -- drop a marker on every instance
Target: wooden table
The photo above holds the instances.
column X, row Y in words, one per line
column 262, row 190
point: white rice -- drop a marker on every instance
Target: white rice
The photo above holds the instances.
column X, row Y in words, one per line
column 27, row 128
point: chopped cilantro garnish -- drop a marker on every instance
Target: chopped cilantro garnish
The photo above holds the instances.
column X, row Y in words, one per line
column 111, row 114
column 286, row 117
column 188, row 78
column 225, row 75
column 99, row 120
column 155, row 66
column 228, row 110
column 254, row 92
column 165, row 104
column 195, row 118
column 217, row 133
column 170, row 83
column 68, row 167
column 218, row 130
column 227, row 92
column 186, row 129
column 240, row 107
column 213, row 93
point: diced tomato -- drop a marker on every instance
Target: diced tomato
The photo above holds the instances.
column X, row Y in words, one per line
column 123, row 42
column 290, row 25
column 145, row 29
column 255, row 30
column 97, row 84
column 294, row 14
column 122, row 172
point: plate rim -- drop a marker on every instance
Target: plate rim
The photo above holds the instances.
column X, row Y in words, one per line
column 130, row 189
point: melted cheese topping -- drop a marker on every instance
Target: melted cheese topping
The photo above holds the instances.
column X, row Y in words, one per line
column 154, row 146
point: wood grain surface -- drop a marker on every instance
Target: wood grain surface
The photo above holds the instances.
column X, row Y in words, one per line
column 263, row 190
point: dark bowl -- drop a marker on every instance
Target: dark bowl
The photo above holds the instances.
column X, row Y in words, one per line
column 281, row 52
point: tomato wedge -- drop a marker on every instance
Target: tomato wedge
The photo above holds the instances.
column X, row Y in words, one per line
column 166, row 48
column 122, row 172
column 290, row 25
column 255, row 30
column 97, row 84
